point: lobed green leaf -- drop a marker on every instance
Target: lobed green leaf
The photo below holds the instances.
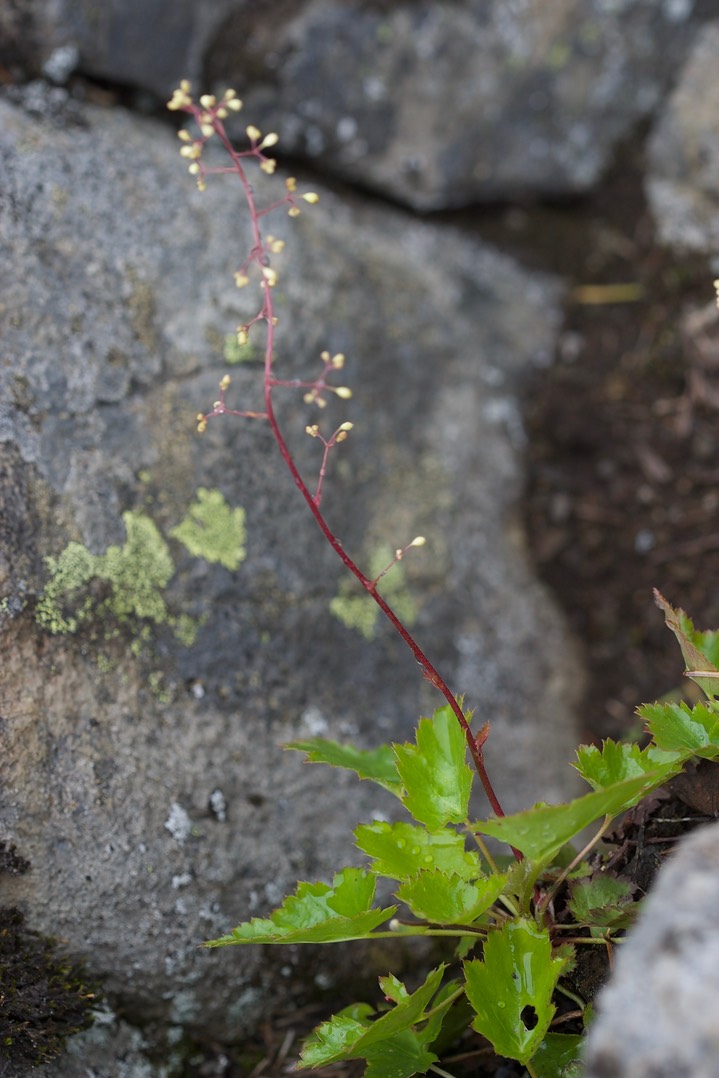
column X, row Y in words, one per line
column 317, row 913
column 389, row 1039
column 617, row 761
column 511, row 988
column 601, row 901
column 559, row 1056
column 401, row 850
column 446, row 899
column 540, row 832
column 436, row 777
column 679, row 728
column 378, row 764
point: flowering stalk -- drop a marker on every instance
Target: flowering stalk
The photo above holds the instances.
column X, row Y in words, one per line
column 209, row 114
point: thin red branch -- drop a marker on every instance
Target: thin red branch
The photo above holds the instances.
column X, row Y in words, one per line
column 267, row 313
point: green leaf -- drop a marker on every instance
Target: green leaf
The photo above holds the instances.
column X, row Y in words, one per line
column 375, row 764
column 436, row 777
column 559, row 1056
column 511, row 988
column 390, row 1037
column 540, row 832
column 401, row 850
column 445, row 899
column 401, row 1057
column 317, row 913
column 679, row 728
column 700, row 649
column 617, row 761
column 602, row 901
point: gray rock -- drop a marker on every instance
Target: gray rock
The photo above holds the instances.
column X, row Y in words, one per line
column 657, row 1016
column 147, row 46
column 436, row 105
column 141, row 775
column 446, row 104
column 683, row 178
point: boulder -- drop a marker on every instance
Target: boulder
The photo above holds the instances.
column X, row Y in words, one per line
column 165, row 597
column 682, row 179
column 657, row 1016
column 435, row 105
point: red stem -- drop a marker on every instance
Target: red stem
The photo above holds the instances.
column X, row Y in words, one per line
column 428, row 669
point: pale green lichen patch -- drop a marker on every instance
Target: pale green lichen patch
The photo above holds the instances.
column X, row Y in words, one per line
column 357, row 610
column 212, row 530
column 134, row 576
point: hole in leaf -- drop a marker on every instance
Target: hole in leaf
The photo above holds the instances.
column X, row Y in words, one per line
column 529, row 1016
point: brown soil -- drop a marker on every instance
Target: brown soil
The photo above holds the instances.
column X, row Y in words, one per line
column 622, row 489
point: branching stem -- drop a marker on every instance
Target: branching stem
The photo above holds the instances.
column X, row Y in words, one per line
column 313, row 500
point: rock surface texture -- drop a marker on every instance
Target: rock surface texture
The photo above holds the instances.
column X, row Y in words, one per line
column 436, row 105
column 141, row 773
column 683, row 178
column 657, row 1017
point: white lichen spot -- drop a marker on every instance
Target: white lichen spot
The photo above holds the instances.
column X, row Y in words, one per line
column 218, row 805
column 314, row 722
column 178, row 823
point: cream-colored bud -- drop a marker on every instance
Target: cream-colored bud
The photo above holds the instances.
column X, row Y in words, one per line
column 270, row 275
column 253, row 133
column 194, row 169
column 208, row 100
column 185, row 86
column 268, row 166
column 338, row 361
column 185, row 136
column 202, row 426
column 313, row 430
column 346, row 426
column 343, row 392
column 311, row 196
column 269, row 140
column 225, row 382
column 419, row 540
column 291, row 183
column 229, row 94
column 200, row 417
column 201, row 185
column 293, row 211
column 207, row 129
column 241, row 279
column 235, row 104
column 216, row 405
column 242, row 335
column 222, row 113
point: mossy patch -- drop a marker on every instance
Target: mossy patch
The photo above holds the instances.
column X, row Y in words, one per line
column 212, row 530
column 358, row 610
